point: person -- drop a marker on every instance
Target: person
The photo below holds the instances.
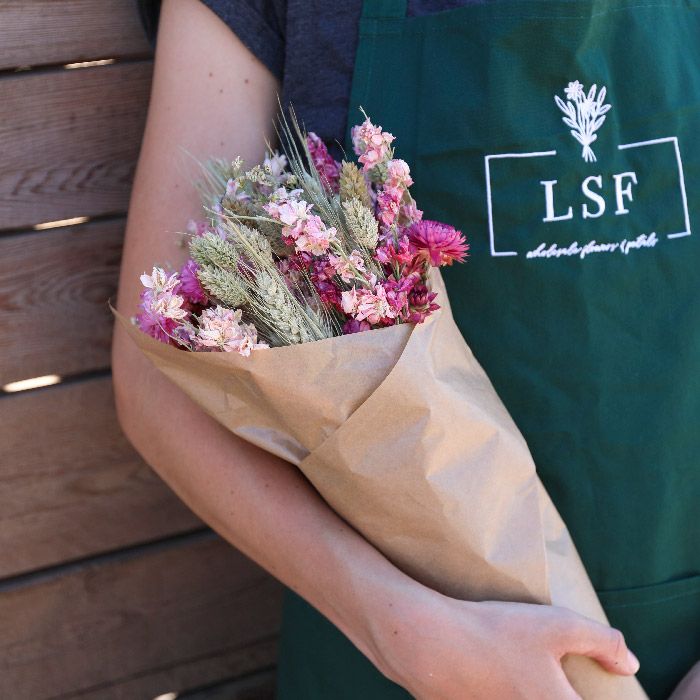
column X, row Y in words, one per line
column 592, row 351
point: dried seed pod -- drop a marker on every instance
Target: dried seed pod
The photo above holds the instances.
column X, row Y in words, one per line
column 361, row 223
column 353, row 184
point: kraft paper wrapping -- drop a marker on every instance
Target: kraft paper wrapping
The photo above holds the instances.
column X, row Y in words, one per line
column 403, row 435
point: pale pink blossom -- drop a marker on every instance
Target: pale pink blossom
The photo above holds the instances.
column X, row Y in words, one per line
column 374, row 307
column 312, row 236
column 387, row 207
column 349, row 301
column 398, row 173
column 371, row 144
column 277, row 164
column 234, row 190
column 347, row 269
column 221, row 329
column 169, row 305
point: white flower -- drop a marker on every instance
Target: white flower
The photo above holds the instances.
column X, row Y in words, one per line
column 159, row 281
column 169, row 305
column 574, row 90
column 276, row 163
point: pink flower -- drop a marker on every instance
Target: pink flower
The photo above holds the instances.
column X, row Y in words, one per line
column 190, row 286
column 371, row 144
column 387, row 207
column 349, row 301
column 197, row 228
column 421, row 303
column 368, row 305
column 235, row 191
column 328, row 168
column 437, row 242
column 398, row 174
column 313, row 236
column 155, row 325
column 220, row 329
column 409, row 214
column 392, row 252
column 277, row 165
column 347, row 269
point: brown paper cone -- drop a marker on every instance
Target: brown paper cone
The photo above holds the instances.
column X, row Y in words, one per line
column 403, row 435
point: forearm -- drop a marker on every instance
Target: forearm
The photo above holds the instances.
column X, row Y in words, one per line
column 260, row 504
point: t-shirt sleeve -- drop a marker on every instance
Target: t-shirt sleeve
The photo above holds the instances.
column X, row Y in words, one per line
column 259, row 24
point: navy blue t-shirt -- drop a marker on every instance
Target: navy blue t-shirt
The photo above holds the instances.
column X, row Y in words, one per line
column 309, row 45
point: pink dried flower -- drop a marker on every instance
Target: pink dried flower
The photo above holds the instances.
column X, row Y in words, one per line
column 312, row 236
column 371, row 144
column 391, row 252
column 439, row 243
column 398, row 174
column 197, row 228
column 347, row 269
column 409, row 214
column 367, row 305
column 328, row 168
column 276, row 163
column 155, row 325
column 220, row 329
column 190, row 286
column 388, row 207
column 421, row 303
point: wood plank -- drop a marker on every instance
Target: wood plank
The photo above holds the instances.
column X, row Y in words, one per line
column 189, row 674
column 54, row 288
column 90, row 628
column 47, row 32
column 70, row 484
column 260, row 686
column 69, row 141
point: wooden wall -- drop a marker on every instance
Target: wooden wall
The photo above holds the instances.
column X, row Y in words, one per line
column 109, row 587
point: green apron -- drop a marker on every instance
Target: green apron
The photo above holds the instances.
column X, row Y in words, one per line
column 563, row 137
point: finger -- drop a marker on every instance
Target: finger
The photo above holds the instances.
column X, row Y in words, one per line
column 602, row 643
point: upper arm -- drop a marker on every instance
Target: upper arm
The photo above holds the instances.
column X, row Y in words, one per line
column 210, row 97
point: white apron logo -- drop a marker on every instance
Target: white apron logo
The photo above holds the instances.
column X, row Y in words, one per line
column 585, row 113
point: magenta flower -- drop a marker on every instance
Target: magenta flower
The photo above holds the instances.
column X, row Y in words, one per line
column 328, row 168
column 421, row 303
column 352, row 325
column 154, row 324
column 190, row 287
column 437, row 242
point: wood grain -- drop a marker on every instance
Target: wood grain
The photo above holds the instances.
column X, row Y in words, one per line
column 260, row 686
column 54, row 288
column 70, row 484
column 92, row 629
column 69, row 141
column 43, row 32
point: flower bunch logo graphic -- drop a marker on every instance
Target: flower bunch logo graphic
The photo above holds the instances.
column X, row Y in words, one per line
column 584, row 113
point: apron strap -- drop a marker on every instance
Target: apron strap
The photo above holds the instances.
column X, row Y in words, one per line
column 384, row 9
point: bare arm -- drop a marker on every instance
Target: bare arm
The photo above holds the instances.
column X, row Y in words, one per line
column 212, row 97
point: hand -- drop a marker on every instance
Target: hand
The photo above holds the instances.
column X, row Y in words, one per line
column 445, row 649
column 689, row 687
